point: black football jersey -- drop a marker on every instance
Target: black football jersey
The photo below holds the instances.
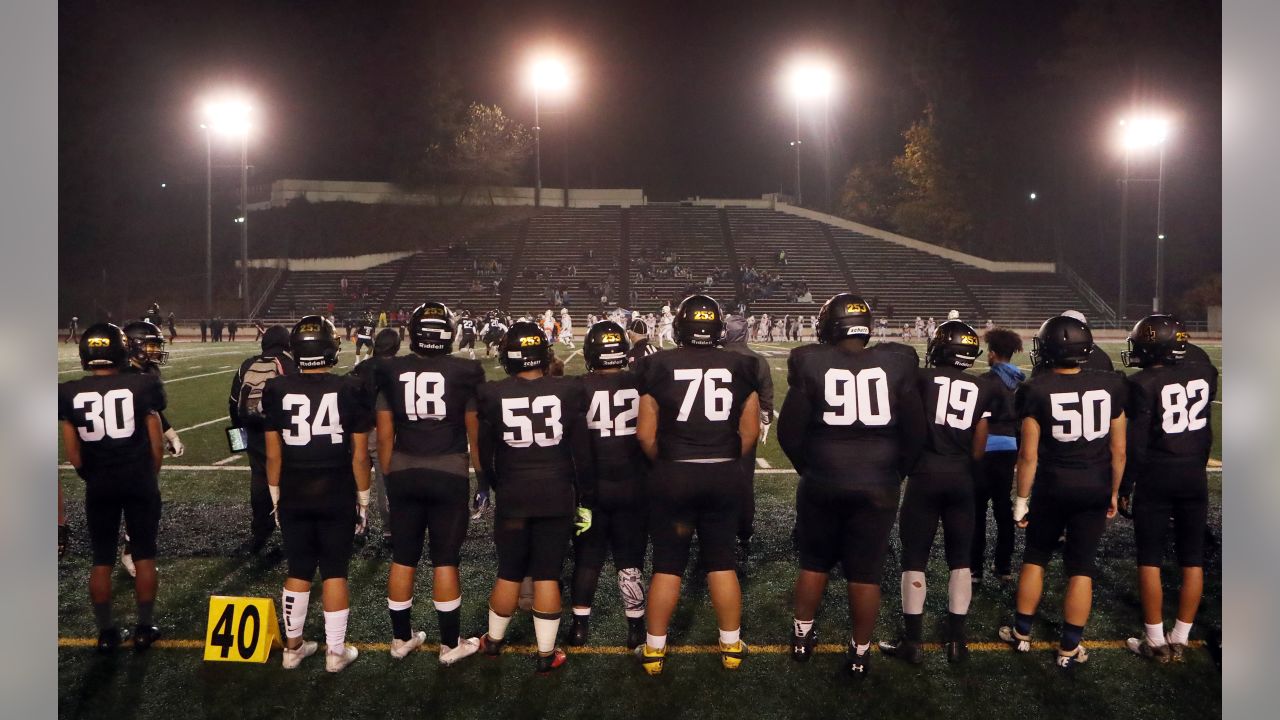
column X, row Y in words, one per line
column 1170, row 412
column 534, row 447
column 1004, row 411
column 642, row 348
column 954, row 402
column 429, row 396
column 700, row 393
column 467, row 326
column 109, row 413
column 364, row 332
column 851, row 416
column 316, row 414
column 613, row 404
column 1075, row 413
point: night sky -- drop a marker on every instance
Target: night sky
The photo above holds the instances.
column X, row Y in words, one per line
column 677, row 98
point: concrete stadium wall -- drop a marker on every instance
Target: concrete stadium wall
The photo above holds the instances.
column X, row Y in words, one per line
column 352, row 263
column 284, row 191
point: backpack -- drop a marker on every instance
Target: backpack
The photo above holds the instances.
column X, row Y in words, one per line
column 252, row 380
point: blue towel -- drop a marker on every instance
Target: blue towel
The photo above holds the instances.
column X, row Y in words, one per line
column 1009, row 374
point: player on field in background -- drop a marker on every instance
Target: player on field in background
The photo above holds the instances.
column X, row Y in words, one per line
column 364, row 338
column 111, row 435
column 993, row 476
column 73, row 330
column 1170, row 438
column 317, row 427
column 637, row 333
column 852, row 424
column 618, row 519
column 665, row 328
column 1073, row 453
column 536, row 453
column 735, row 340
column 957, row 407
column 699, row 416
column 426, row 424
column 468, row 332
column 566, row 328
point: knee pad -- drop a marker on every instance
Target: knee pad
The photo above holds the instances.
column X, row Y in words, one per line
column 631, row 589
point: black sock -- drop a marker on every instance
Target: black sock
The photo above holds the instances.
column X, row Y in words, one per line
column 1022, row 623
column 914, row 626
column 1071, row 636
column 401, row 624
column 102, row 615
column 144, row 612
column 955, row 627
column 450, row 622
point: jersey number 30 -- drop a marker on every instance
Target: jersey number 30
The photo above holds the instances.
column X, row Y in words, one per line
column 105, row 415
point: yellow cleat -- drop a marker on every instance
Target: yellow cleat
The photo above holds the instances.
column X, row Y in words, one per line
column 731, row 655
column 650, row 659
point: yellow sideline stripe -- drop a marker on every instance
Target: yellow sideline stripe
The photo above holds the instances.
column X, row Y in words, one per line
column 826, row 648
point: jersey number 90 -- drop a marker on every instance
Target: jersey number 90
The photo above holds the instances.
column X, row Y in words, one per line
column 857, row 397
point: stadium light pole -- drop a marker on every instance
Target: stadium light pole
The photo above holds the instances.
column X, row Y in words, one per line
column 208, row 221
column 547, row 73
column 230, row 118
column 809, row 79
column 1143, row 133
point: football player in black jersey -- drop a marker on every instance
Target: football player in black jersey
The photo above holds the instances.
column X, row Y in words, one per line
column 111, row 435
column 468, row 330
column 618, row 519
column 957, row 408
column 699, row 415
column 1096, row 359
column 317, row 427
column 426, row 423
column 385, row 346
column 1073, row 452
column 536, row 453
column 1170, row 437
column 364, row 337
column 735, row 340
column 994, row 474
column 638, row 334
column 852, row 424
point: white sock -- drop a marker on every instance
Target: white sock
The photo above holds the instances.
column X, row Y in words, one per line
column 545, row 627
column 399, row 604
column 730, row 637
column 1155, row 634
column 959, row 591
column 1181, row 632
column 498, row 625
column 582, row 612
column 860, row 649
column 632, row 592
column 803, row 627
column 293, row 607
column 913, row 591
column 448, row 605
column 335, row 630
column 657, row 642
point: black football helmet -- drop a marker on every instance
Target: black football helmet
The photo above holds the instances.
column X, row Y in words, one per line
column 1062, row 341
column 431, row 329
column 103, row 345
column 699, row 322
column 386, row 343
column 1156, row 339
column 315, row 342
column 605, row 346
column 145, row 343
column 954, row 344
column 525, row 347
column 844, row 316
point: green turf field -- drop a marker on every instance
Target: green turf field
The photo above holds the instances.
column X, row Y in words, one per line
column 206, row 518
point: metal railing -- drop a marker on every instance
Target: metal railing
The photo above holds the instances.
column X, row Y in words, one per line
column 1079, row 285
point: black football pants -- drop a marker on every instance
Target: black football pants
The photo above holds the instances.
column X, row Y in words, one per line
column 993, row 484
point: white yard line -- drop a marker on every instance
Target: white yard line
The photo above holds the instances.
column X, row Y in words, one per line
column 193, row 377
column 206, row 422
column 575, row 354
column 763, row 463
column 228, row 460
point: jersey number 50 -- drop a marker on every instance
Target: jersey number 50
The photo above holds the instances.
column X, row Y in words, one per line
column 1092, row 420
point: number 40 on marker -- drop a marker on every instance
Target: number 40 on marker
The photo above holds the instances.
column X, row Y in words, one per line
column 241, row 629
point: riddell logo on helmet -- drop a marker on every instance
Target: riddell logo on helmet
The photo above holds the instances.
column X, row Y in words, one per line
column 852, row 308
column 530, row 340
column 704, row 314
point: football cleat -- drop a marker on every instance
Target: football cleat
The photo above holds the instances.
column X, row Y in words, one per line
column 491, row 648
column 400, row 649
column 549, row 663
column 635, row 632
column 111, row 638
column 144, row 636
column 1016, row 640
column 731, row 655
column 465, row 648
column 650, row 659
column 903, row 649
column 293, row 658
column 1068, row 661
column 1176, row 650
column 337, row 662
column 957, row 651
column 857, row 664
column 802, row 645
column 1143, row 648
column 580, row 630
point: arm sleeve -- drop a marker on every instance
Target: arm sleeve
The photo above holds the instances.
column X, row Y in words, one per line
column 157, row 399
column 765, row 382
column 793, row 426
column 272, row 409
column 1137, row 437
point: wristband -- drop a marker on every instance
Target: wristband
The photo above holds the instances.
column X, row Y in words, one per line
column 275, row 494
column 362, row 498
column 1020, row 508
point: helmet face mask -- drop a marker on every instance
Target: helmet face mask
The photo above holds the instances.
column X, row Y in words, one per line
column 1156, row 340
column 103, row 346
column 315, row 343
column 699, row 322
column 954, row 344
column 1062, row 341
column 605, row 346
column 525, row 347
column 431, row 329
column 145, row 343
column 844, row 316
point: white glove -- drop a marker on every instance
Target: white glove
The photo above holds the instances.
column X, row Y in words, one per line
column 764, row 432
column 1020, row 508
column 275, row 502
column 174, row 445
column 362, row 511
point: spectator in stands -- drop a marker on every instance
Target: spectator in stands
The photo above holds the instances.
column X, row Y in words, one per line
column 805, row 296
column 990, row 325
column 231, row 330
column 343, row 283
column 782, row 257
column 204, row 330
